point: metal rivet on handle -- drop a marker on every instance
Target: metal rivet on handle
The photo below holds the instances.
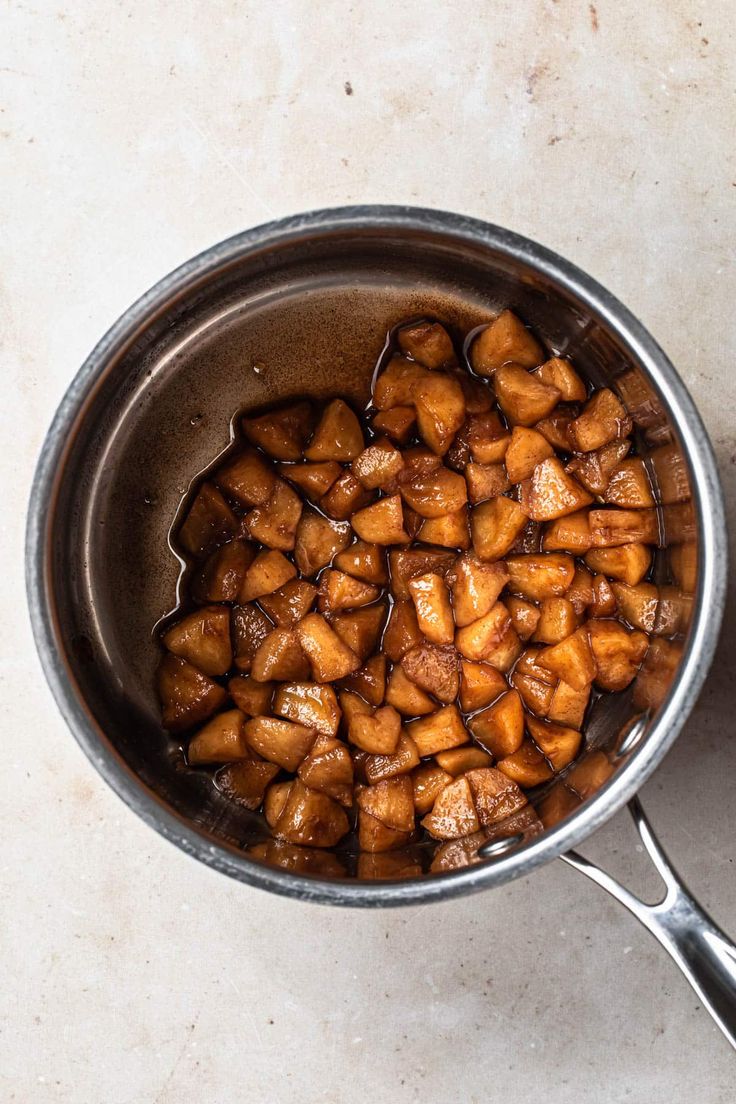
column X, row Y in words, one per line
column 494, row 848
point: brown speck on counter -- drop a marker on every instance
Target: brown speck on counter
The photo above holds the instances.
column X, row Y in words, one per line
column 593, row 16
column 348, row 88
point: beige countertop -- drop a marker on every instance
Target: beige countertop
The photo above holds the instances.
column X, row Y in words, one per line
column 134, row 135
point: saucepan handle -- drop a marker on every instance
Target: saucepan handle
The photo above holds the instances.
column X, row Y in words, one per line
column 706, row 956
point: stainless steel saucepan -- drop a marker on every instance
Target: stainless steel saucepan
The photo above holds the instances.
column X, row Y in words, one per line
column 299, row 306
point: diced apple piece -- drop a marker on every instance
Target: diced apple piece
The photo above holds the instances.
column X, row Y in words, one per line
column 440, row 407
column 308, row 704
column 364, row 561
column 353, row 705
column 527, row 766
column 558, row 744
column 434, row 493
column 500, row 727
column 505, row 339
column 568, row 705
column 418, row 461
column 629, row 486
column 587, row 776
column 406, row 696
column 269, row 571
column 338, row 591
column 496, row 796
column 250, row 628
column 557, row 620
column 377, row 734
column 330, row 658
column 475, row 587
column 203, row 639
column 477, row 394
column 491, row 639
column 407, row 564
column 618, row 654
column 449, row 530
column 397, row 423
column 528, row 664
column 434, row 669
column 381, row 523
column 361, row 629
column 628, row 563
column 673, row 612
column 559, row 372
column 526, row 449
column 311, row 818
column 290, row 603
column 248, row 478
column 374, row 836
column 535, row 694
column 559, row 803
column 279, row 741
column 657, row 673
column 524, row 616
column 434, row 612
column 282, row 433
column 280, row 657
column 538, row 577
column 318, row 540
column 329, row 769
column 428, row 343
column 345, row 496
column 209, row 523
column 580, row 591
column 603, row 420
column 495, row 525
column 487, row 437
column 274, row 800
column 553, row 493
column 403, row 760
column 638, row 604
column 440, row 730
column 569, row 534
column 338, row 435
column 377, row 464
column 397, row 384
column 222, row 740
column 594, row 469
column 554, row 428
column 370, row 680
column 485, row 481
column 428, row 780
column 314, row 480
column 523, row 398
column 453, row 813
column 245, row 782
column 252, row 697
column 571, row 660
column 458, row 761
column 480, row 684
column 391, row 801
column 604, row 600
column 221, row 577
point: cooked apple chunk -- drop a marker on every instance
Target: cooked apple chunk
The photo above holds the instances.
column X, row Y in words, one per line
column 526, row 449
column 496, row 796
column 221, row 577
column 535, row 694
column 440, row 407
column 404, row 758
column 485, row 481
column 364, row 561
column 269, row 571
column 557, row 620
column 338, row 435
column 603, row 420
column 475, row 587
column 434, row 612
column 209, row 523
column 638, row 604
column 505, row 339
column 487, row 438
column 558, row 744
column 377, row 464
column 553, row 493
column 435, row 493
column 370, row 680
column 428, row 343
column 495, row 526
column 524, row 616
column 594, row 469
column 491, row 639
column 318, row 540
column 203, row 638
column 397, row 384
column 439, row 731
column 527, row 766
column 251, row 696
column 329, row 769
column 618, row 653
column 279, row 741
column 604, row 600
column 554, row 428
column 628, row 563
column 500, row 727
column 571, row 659
column 428, row 780
column 404, row 694
column 459, row 761
column 610, row 528
column 248, row 478
column 245, row 782
column 539, row 577
column 381, row 523
column 280, row 657
column 250, row 627
column 569, row 534
column 360, row 629
column 567, row 706
column 449, row 530
column 523, row 398
column 390, row 801
column 580, row 591
column 407, row 564
column 480, row 684
column 311, row 818
column 434, row 669
column 396, row 423
column 375, row 837
column 274, row 800
column 221, row 740
column 338, row 591
column 314, row 480
column 453, row 813
column 290, row 603
column 309, row 704
column 330, row 658
column 629, row 486
column 345, row 497
column 558, row 372
column 282, row 433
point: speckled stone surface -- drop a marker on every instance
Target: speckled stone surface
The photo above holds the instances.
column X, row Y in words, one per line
column 134, row 135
